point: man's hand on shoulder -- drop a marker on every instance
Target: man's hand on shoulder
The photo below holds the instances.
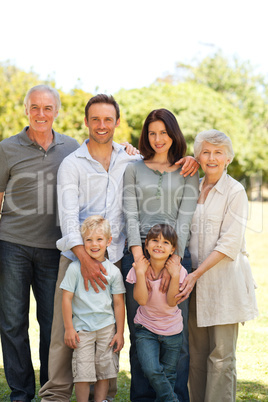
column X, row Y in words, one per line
column 91, row 270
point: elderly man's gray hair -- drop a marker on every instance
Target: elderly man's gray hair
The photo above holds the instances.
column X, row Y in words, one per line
column 44, row 88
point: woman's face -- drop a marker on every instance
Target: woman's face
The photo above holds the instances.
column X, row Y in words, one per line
column 213, row 159
column 158, row 137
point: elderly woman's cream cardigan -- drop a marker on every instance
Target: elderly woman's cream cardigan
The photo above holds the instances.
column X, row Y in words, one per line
column 225, row 294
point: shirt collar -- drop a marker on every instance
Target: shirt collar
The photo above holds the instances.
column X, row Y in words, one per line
column 26, row 141
column 82, row 151
column 219, row 186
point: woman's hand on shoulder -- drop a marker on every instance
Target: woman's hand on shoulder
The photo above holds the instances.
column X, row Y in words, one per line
column 189, row 165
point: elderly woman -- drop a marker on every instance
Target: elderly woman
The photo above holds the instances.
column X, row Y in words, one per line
column 222, row 283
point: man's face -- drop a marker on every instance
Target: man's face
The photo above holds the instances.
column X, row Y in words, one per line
column 101, row 122
column 41, row 111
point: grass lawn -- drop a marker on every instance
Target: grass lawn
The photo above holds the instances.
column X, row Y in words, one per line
column 252, row 349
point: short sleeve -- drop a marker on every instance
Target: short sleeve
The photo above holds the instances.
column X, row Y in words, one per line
column 183, row 274
column 70, row 279
column 131, row 276
column 4, row 170
column 118, row 286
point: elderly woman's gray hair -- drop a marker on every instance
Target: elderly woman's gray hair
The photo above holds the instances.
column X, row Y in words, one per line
column 44, row 88
column 214, row 137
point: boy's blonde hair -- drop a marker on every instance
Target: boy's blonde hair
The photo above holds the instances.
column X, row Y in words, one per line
column 96, row 222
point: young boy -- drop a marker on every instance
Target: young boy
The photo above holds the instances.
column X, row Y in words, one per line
column 89, row 318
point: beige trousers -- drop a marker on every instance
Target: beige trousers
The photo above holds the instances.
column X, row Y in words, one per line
column 59, row 387
column 212, row 375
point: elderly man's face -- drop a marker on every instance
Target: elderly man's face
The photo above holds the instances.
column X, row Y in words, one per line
column 41, row 111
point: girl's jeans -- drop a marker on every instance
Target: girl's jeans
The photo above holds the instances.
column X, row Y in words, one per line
column 158, row 356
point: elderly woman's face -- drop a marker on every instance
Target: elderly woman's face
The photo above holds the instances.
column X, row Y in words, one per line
column 213, row 159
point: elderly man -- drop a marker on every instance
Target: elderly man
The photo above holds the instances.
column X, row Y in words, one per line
column 29, row 163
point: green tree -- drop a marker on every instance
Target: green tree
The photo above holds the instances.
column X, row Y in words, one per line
column 246, row 90
column 197, row 108
column 70, row 120
column 14, row 85
column 71, row 117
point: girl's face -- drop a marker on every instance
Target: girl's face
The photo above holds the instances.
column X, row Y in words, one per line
column 158, row 137
column 159, row 248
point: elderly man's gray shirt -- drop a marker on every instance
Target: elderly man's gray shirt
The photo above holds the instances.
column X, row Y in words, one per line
column 28, row 176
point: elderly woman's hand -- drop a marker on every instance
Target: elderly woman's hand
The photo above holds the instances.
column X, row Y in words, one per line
column 186, row 288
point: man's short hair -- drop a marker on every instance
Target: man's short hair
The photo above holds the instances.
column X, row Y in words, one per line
column 96, row 222
column 102, row 98
column 44, row 88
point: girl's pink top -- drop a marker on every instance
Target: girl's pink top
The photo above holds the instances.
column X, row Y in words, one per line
column 157, row 316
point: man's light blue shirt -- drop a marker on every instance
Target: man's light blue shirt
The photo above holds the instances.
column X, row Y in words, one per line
column 85, row 188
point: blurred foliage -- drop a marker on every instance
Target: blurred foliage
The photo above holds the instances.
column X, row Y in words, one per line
column 14, row 85
column 70, row 121
column 196, row 108
column 212, row 93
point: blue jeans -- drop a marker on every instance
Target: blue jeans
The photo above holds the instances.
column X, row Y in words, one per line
column 20, row 268
column 159, row 355
column 181, row 387
column 140, row 389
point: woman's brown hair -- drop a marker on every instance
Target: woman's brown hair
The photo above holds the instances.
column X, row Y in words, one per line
column 178, row 147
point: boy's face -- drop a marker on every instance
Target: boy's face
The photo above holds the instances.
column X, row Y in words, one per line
column 96, row 243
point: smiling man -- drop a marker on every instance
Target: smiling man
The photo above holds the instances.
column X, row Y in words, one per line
column 29, row 163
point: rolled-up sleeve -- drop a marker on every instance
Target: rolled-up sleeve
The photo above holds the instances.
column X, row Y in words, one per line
column 186, row 211
column 4, row 170
column 234, row 224
column 130, row 204
column 68, row 204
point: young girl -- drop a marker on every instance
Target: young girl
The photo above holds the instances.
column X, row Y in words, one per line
column 158, row 321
